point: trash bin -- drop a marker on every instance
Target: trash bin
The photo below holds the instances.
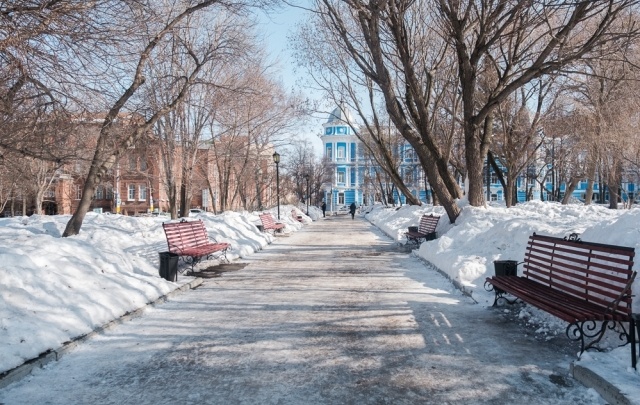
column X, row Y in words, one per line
column 260, row 227
column 506, row 267
column 169, row 266
column 413, row 229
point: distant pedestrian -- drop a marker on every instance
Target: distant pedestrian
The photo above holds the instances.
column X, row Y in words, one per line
column 324, row 209
column 352, row 210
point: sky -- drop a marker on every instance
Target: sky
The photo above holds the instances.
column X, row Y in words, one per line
column 277, row 28
column 54, row 289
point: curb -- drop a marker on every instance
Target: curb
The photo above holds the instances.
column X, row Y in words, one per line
column 590, row 379
column 23, row 370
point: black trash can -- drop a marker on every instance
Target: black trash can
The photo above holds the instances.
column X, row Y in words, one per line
column 169, row 266
column 506, row 267
column 413, row 229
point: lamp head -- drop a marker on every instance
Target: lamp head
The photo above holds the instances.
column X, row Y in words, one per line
column 276, row 157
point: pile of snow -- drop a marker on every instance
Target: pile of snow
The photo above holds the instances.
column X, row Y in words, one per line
column 55, row 289
column 465, row 251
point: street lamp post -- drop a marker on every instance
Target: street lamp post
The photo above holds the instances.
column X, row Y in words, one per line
column 306, row 176
column 276, row 160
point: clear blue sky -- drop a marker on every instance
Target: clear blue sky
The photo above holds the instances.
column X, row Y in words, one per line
column 276, row 30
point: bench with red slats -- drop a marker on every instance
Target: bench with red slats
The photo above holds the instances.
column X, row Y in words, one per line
column 426, row 230
column 585, row 284
column 295, row 216
column 269, row 224
column 189, row 240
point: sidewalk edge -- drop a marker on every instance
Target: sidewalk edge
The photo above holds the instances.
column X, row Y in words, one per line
column 590, row 379
column 23, row 370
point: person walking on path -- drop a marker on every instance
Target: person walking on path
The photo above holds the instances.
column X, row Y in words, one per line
column 324, row 208
column 352, row 210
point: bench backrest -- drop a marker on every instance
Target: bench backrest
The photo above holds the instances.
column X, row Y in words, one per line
column 181, row 235
column 428, row 223
column 597, row 273
column 267, row 220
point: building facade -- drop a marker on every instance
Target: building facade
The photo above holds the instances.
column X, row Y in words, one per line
column 354, row 176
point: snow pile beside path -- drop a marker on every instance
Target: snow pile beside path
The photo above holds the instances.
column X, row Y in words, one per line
column 466, row 250
column 54, row 289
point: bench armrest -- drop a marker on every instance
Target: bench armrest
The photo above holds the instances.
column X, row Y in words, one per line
column 625, row 293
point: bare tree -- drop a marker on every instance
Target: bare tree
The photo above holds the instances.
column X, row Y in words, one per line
column 108, row 149
column 524, row 40
column 519, row 133
column 250, row 115
column 605, row 95
column 394, row 46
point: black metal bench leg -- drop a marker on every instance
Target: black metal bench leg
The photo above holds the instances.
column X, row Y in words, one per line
column 634, row 338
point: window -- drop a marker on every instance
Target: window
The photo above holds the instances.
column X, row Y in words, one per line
column 342, row 177
column 329, row 152
column 99, row 193
column 132, row 192
column 78, row 192
column 341, row 198
column 133, row 164
column 341, row 152
column 408, row 155
column 408, row 176
column 143, row 164
column 109, row 193
column 142, row 195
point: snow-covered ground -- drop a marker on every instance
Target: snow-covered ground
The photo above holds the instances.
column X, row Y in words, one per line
column 54, row 289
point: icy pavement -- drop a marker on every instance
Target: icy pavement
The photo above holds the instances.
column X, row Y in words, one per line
column 320, row 317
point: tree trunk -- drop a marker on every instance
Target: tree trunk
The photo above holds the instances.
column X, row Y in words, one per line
column 91, row 182
column 569, row 189
column 39, row 200
column 591, row 174
column 613, row 183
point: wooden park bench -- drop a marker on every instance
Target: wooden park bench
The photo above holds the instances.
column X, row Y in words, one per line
column 295, row 216
column 269, row 224
column 426, row 230
column 585, row 284
column 190, row 241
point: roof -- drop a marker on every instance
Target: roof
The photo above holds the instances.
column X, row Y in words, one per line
column 340, row 115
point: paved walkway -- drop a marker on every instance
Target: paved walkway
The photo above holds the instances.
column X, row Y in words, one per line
column 319, row 317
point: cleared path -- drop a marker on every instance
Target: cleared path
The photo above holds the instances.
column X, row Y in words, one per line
column 320, row 317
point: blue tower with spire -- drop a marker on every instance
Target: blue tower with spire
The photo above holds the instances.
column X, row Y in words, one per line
column 342, row 152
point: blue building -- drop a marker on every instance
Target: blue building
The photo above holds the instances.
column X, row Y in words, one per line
column 528, row 187
column 352, row 172
column 343, row 152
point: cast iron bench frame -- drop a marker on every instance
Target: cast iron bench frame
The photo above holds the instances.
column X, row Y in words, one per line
column 190, row 241
column 426, row 230
column 585, row 284
column 269, row 224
